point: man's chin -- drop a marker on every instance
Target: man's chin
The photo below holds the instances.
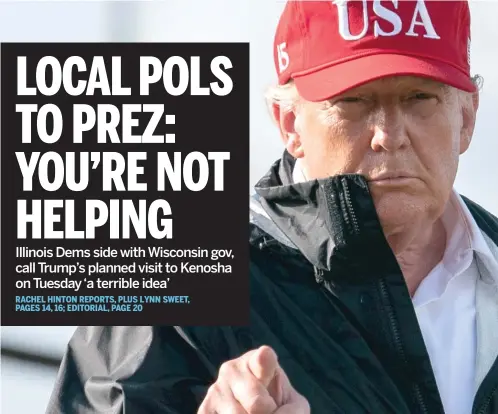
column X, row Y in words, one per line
column 398, row 210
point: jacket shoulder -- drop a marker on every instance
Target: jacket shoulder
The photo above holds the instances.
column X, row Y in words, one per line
column 486, row 221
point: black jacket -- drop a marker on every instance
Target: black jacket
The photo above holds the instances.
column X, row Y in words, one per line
column 326, row 293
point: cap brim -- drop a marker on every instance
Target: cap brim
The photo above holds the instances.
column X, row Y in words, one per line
column 335, row 80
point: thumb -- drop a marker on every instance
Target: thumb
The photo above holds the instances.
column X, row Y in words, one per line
column 290, row 401
column 263, row 364
column 299, row 406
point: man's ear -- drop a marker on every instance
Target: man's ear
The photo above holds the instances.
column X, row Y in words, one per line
column 286, row 121
column 469, row 113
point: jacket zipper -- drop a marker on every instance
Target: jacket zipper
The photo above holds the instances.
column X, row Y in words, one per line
column 385, row 299
column 397, row 340
column 350, row 208
column 485, row 405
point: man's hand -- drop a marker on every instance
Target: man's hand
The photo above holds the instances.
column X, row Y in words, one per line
column 253, row 384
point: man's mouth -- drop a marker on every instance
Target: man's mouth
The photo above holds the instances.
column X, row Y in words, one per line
column 392, row 178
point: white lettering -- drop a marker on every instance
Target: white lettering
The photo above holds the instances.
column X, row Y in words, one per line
column 41, row 76
column 222, row 76
column 22, row 88
column 26, row 110
column 98, row 77
column 421, row 9
column 344, row 29
column 157, row 112
column 389, row 16
column 420, row 17
column 283, row 57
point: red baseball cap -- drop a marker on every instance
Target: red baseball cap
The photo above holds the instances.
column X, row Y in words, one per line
column 328, row 47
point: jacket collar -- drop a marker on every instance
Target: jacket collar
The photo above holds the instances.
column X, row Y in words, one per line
column 332, row 221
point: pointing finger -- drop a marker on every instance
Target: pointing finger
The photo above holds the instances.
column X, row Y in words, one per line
column 263, row 364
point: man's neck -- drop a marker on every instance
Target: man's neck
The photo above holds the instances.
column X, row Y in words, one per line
column 423, row 252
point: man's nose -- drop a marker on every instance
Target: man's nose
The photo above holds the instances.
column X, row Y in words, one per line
column 389, row 131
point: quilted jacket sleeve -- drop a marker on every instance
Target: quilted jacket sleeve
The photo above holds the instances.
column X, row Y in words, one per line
column 130, row 370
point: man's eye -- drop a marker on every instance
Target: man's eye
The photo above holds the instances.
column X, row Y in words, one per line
column 422, row 96
column 350, row 99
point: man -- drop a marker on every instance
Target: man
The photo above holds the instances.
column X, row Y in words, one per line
column 374, row 284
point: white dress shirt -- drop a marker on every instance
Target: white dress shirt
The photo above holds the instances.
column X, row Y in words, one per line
column 445, row 307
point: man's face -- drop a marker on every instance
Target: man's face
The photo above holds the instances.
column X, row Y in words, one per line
column 404, row 134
